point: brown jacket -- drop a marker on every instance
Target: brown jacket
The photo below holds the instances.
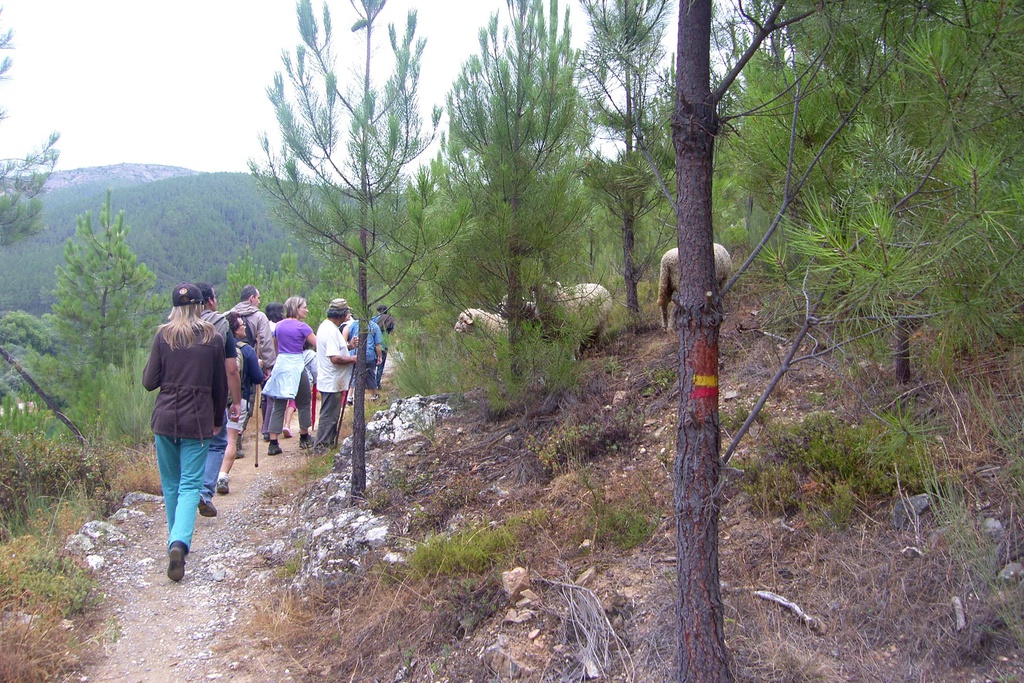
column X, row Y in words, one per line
column 193, row 388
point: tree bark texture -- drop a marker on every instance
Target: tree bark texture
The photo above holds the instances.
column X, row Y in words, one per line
column 901, row 357
column 629, row 219
column 628, row 267
column 358, row 488
column 701, row 652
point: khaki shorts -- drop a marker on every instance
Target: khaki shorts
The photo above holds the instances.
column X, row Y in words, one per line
column 243, row 418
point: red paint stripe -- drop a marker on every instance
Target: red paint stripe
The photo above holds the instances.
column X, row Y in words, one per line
column 705, row 392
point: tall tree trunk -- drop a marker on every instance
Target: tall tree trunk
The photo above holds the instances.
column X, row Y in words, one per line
column 358, row 488
column 902, row 354
column 699, row 618
column 629, row 217
column 628, row 267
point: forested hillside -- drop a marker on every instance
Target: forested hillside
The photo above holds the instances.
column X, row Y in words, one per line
column 184, row 228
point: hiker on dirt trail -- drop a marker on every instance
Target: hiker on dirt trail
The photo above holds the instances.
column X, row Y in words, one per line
column 258, row 325
column 219, row 442
column 309, row 362
column 289, row 379
column 186, row 362
column 248, row 366
column 386, row 322
column 334, row 371
column 373, row 357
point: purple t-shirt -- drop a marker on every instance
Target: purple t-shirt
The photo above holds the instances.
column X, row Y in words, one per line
column 291, row 333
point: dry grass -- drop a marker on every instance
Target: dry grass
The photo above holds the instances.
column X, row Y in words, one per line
column 36, row 645
column 377, row 624
column 887, row 614
column 136, row 470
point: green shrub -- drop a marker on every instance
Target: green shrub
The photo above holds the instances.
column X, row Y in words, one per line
column 657, row 382
column 572, row 445
column 865, row 457
column 317, row 467
column 734, row 420
column 25, row 419
column 470, row 551
column 424, row 360
column 523, row 374
column 33, row 575
column 825, row 467
column 774, row 488
column 126, row 407
column 625, row 523
column 34, row 467
column 832, row 510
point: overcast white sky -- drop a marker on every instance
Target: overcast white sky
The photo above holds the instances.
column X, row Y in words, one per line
column 184, row 83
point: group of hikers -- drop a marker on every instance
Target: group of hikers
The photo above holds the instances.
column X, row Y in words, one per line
column 203, row 360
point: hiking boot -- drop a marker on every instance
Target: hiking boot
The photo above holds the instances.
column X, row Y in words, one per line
column 274, row 448
column 266, row 436
column 207, row 508
column 176, row 561
column 222, row 484
column 305, row 442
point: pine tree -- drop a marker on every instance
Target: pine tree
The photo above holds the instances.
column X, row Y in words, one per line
column 513, row 154
column 104, row 306
column 338, row 182
column 21, row 180
column 621, row 65
column 696, row 123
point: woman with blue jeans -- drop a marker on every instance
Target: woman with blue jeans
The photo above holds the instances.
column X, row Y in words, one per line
column 186, row 362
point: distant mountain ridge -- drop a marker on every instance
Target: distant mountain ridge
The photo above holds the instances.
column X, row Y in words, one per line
column 184, row 225
column 118, row 175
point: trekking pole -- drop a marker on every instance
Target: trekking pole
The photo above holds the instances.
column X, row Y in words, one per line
column 259, row 422
column 257, row 409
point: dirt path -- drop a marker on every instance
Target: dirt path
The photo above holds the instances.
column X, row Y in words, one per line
column 162, row 632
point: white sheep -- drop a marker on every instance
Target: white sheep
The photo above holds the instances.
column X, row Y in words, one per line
column 668, row 283
column 589, row 301
column 471, row 318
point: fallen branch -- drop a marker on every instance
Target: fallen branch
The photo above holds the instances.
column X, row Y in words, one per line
column 810, row 622
column 50, row 403
column 588, row 627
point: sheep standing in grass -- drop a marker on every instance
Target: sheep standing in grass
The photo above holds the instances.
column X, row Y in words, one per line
column 668, row 283
column 589, row 302
column 471, row 318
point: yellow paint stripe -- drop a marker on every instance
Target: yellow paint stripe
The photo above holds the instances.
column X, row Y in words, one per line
column 705, row 381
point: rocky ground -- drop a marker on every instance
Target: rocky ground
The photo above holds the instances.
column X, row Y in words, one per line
column 877, row 612
column 162, row 632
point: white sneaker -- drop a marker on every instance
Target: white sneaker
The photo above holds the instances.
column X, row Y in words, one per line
column 222, row 484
